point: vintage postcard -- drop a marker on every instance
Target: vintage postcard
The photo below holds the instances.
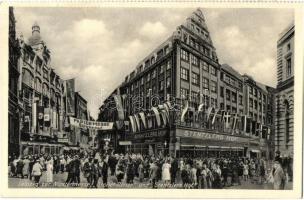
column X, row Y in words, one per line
column 151, row 99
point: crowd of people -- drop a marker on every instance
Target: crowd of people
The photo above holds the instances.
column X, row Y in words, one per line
column 167, row 171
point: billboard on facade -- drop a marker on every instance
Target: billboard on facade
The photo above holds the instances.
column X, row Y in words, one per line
column 70, row 96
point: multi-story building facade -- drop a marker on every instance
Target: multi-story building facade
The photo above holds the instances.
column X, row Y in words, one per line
column 284, row 99
column 79, row 136
column 13, row 109
column 207, row 100
column 41, row 95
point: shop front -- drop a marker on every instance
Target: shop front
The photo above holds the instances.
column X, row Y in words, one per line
column 192, row 143
column 149, row 142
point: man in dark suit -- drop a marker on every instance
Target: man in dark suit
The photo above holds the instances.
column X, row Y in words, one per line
column 95, row 173
column 104, row 172
column 174, row 168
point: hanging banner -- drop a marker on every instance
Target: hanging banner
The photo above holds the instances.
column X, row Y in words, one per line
column 215, row 114
column 143, row 119
column 154, row 109
column 119, row 107
column 70, row 96
column 185, row 109
column 133, row 125
column 91, row 124
column 137, row 122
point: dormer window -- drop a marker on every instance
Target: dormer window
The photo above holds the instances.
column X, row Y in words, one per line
column 152, row 60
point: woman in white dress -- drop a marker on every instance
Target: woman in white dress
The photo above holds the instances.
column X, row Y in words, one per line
column 49, row 170
column 166, row 172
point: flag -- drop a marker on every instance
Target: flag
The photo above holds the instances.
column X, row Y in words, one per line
column 215, row 114
column 70, row 96
column 133, row 125
column 164, row 117
column 234, row 122
column 143, row 119
column 227, row 120
column 185, row 110
column 137, row 121
column 154, row 109
column 119, row 107
column 209, row 111
column 223, row 113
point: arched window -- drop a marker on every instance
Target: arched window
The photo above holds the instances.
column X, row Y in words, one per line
column 27, row 77
column 38, row 86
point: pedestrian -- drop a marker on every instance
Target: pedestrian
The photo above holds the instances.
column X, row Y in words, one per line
column 217, row 184
column 62, row 163
column 166, row 172
column 245, row 170
column 68, row 169
column 19, row 167
column 130, row 171
column 153, row 174
column 75, row 170
column 185, row 175
column 119, row 171
column 141, row 171
column 173, row 170
column 193, row 176
column 279, row 176
column 112, row 164
column 87, row 171
column 104, row 172
column 37, row 172
column 25, row 169
column 95, row 173
column 49, row 170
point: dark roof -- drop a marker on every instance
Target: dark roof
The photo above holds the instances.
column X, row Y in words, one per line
column 232, row 71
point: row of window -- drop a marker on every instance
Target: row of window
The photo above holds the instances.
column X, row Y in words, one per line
column 152, row 75
column 196, row 62
column 195, row 44
column 229, row 80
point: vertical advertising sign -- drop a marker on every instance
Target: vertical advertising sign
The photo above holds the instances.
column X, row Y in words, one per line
column 70, row 96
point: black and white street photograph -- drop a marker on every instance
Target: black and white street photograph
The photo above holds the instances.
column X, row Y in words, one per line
column 192, row 98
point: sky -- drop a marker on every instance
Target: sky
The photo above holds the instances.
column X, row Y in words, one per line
column 100, row 46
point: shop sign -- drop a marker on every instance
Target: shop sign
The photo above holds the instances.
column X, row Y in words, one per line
column 152, row 134
column 63, row 140
column 209, row 136
column 124, row 143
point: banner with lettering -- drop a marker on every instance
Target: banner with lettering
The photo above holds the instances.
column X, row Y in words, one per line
column 91, row 124
column 70, row 96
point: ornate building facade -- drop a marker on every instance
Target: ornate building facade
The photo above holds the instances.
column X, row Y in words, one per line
column 285, row 92
column 181, row 100
column 41, row 93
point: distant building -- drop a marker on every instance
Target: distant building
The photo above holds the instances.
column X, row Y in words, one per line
column 80, row 136
column 284, row 98
column 13, row 107
column 214, row 110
